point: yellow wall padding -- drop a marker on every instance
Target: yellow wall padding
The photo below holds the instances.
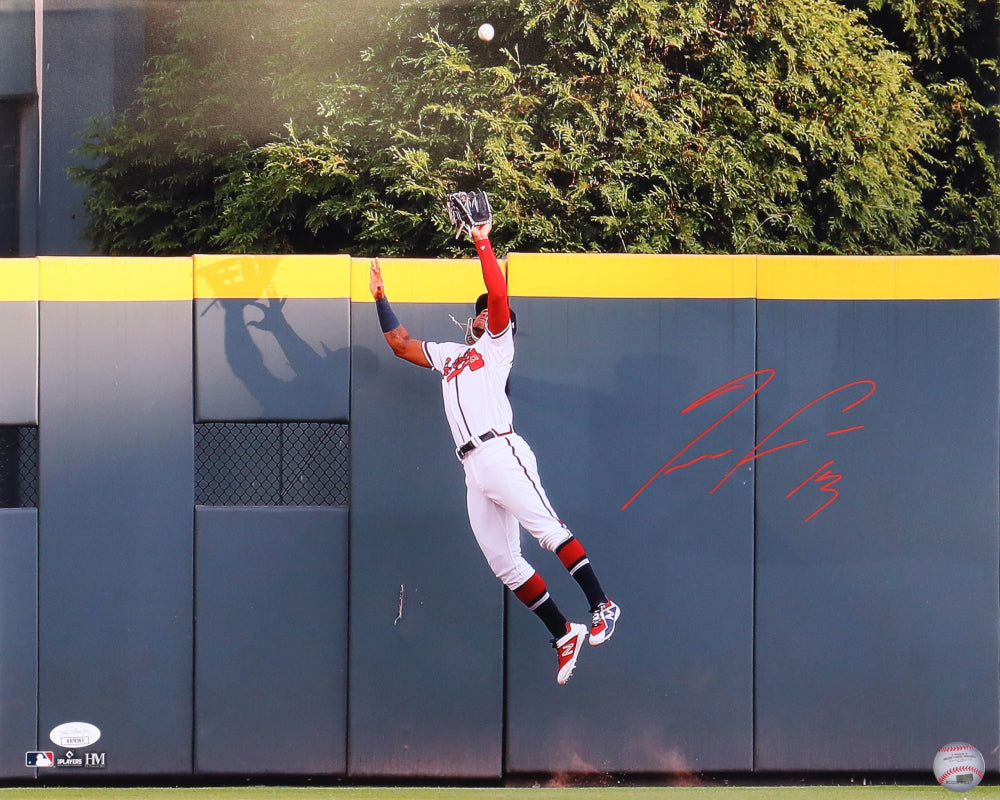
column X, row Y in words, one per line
column 630, row 275
column 421, row 280
column 878, row 277
column 19, row 279
column 250, row 276
column 104, row 278
column 96, row 278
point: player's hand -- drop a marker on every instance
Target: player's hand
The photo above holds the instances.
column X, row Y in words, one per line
column 375, row 283
column 480, row 232
column 273, row 314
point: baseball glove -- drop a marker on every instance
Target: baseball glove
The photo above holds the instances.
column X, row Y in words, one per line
column 466, row 210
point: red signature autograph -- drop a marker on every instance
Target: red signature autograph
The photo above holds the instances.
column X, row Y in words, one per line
column 823, row 477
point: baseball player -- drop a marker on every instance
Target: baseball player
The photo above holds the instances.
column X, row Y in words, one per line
column 500, row 471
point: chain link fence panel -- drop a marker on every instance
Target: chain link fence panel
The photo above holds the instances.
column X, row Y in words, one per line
column 272, row 464
column 255, row 464
column 18, row 466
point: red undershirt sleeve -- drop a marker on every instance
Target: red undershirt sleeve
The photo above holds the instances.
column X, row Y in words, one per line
column 496, row 287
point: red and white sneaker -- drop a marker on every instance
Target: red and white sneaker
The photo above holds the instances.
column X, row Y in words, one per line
column 568, row 649
column 602, row 626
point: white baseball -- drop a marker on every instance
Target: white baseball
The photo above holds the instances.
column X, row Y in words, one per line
column 959, row 766
column 485, row 32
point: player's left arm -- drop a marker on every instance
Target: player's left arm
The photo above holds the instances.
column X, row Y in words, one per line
column 498, row 302
column 397, row 337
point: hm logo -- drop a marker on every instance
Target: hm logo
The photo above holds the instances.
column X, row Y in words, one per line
column 94, row 760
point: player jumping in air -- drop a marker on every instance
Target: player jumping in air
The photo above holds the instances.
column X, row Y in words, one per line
column 500, row 470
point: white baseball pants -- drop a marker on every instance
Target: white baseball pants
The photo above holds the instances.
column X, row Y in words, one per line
column 504, row 489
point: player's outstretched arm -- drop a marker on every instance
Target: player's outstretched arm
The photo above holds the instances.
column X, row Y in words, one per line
column 396, row 335
column 496, row 285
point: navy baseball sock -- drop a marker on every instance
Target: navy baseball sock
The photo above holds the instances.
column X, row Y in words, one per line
column 574, row 558
column 534, row 594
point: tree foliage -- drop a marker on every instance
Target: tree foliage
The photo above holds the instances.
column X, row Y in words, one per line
column 226, row 79
column 954, row 49
column 641, row 125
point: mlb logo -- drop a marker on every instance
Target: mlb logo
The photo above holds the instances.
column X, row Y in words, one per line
column 39, row 758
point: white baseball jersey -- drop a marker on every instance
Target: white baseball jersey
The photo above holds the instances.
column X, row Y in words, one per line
column 501, row 474
column 473, row 378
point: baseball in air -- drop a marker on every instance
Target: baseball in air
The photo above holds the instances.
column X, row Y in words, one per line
column 959, row 766
column 486, row 32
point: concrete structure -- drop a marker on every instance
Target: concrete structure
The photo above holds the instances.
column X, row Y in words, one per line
column 61, row 62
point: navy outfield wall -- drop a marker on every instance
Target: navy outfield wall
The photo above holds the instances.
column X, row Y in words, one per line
column 115, row 588
column 19, row 343
column 272, row 346
column 877, row 511
column 786, row 470
column 427, row 616
column 272, row 338
column 18, row 526
column 610, row 349
column 18, row 632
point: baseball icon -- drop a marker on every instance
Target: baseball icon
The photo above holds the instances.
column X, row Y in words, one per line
column 485, row 32
column 959, row 766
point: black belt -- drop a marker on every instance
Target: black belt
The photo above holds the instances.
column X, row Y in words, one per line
column 475, row 441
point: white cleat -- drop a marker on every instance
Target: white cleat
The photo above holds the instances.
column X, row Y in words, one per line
column 602, row 626
column 568, row 649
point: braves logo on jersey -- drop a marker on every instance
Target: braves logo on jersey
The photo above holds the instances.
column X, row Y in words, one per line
column 470, row 358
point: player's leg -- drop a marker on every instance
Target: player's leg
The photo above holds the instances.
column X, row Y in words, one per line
column 498, row 535
column 535, row 596
column 604, row 612
column 577, row 563
column 509, row 477
column 499, row 538
column 514, row 482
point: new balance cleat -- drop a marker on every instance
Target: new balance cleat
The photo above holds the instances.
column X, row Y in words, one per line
column 568, row 649
column 602, row 626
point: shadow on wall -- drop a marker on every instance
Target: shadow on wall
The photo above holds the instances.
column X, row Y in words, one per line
column 312, row 374
column 271, row 343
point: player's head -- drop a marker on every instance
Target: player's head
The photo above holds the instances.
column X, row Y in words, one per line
column 477, row 324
